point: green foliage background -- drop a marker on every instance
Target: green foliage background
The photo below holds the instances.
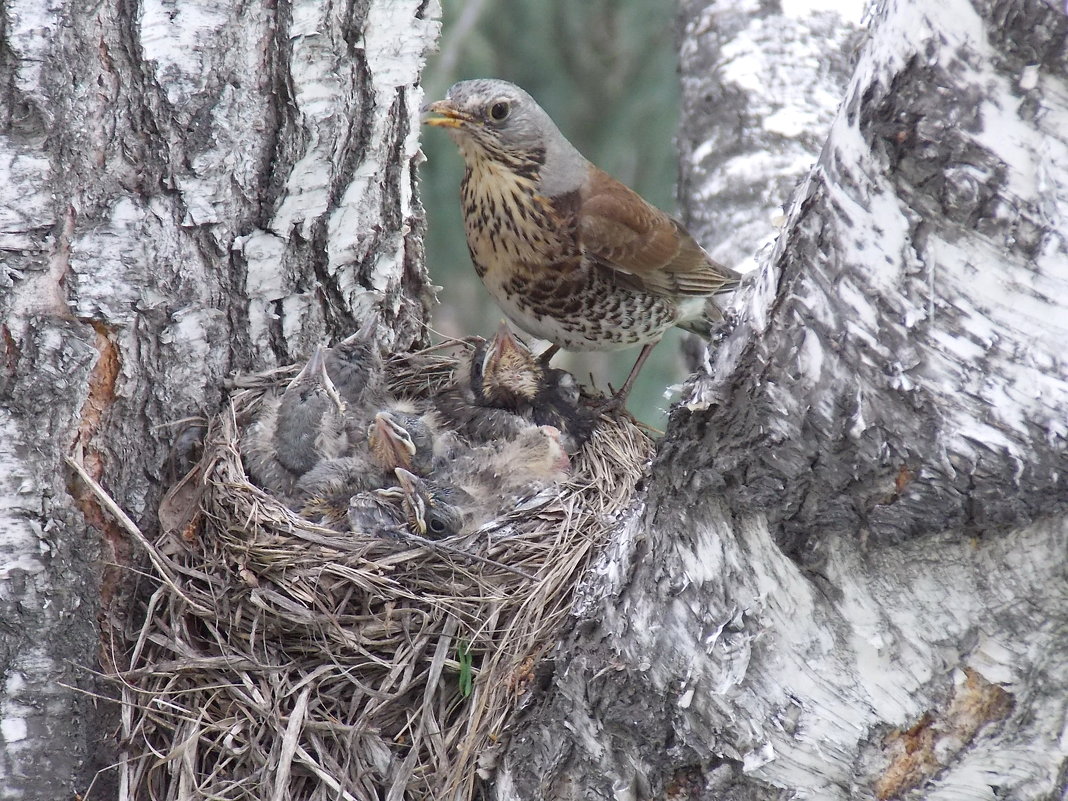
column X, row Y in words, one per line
column 605, row 70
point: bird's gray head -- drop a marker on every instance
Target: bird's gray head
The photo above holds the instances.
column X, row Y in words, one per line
column 311, row 390
column 494, row 119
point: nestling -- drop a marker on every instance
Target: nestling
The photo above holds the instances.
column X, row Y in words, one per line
column 431, row 509
column 356, row 365
column 503, row 388
column 493, row 478
column 297, row 430
column 395, row 438
column 414, row 505
column 515, row 379
column 468, row 404
column 570, row 254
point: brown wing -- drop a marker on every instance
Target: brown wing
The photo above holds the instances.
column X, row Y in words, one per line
column 650, row 250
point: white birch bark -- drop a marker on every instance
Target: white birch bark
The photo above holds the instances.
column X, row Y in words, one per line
column 848, row 578
column 189, row 188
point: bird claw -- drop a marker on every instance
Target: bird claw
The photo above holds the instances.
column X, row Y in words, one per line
column 613, row 403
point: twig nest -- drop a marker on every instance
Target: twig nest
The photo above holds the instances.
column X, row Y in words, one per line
column 278, row 658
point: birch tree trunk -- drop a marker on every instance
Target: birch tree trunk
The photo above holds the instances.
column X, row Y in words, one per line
column 848, row 577
column 189, row 189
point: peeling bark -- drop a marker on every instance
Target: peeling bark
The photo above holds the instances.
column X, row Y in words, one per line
column 190, row 189
column 909, row 377
column 759, row 93
column 847, row 580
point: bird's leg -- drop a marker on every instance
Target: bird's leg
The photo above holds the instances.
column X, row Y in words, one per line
column 546, row 355
column 619, row 399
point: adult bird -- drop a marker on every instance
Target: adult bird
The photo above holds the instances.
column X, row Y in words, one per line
column 570, row 254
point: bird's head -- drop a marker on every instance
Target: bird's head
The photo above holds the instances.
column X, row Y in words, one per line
column 355, row 364
column 562, row 387
column 510, row 372
column 536, row 454
column 496, row 120
column 430, row 509
column 549, row 453
column 313, row 380
column 390, row 441
column 559, row 403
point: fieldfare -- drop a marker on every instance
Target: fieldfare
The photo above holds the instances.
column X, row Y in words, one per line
column 572, row 255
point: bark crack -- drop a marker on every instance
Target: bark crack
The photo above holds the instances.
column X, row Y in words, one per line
column 101, row 384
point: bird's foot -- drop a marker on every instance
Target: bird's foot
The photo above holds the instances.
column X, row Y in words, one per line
column 618, row 399
column 613, row 404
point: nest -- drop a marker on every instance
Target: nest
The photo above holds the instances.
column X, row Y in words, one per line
column 280, row 660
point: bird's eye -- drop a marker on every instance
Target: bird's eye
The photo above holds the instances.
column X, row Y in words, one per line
column 437, row 526
column 499, row 110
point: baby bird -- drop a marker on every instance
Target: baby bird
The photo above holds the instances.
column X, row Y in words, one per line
column 356, row 366
column 516, row 379
column 431, row 509
column 396, row 438
column 295, row 431
column 374, row 512
column 559, row 404
column 415, row 506
column 493, row 478
column 510, row 373
column 400, row 437
column 465, row 405
column 502, row 388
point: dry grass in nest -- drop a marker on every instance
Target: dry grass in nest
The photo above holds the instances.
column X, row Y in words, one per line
column 280, row 660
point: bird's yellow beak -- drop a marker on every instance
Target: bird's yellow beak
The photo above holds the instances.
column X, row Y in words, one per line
column 450, row 116
column 416, row 502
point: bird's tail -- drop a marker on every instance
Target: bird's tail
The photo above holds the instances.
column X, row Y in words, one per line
column 709, row 319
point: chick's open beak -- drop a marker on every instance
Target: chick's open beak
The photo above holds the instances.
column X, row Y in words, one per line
column 505, row 346
column 448, row 115
column 390, row 442
column 315, row 370
column 503, row 353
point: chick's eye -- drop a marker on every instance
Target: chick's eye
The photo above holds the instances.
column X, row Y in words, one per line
column 499, row 110
column 437, row 526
